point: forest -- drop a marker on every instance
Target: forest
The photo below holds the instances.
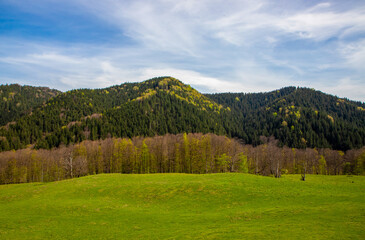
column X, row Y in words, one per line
column 165, row 126
column 181, row 153
column 297, row 117
column 17, row 101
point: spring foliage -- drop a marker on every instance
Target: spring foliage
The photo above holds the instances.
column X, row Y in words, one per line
column 182, row 153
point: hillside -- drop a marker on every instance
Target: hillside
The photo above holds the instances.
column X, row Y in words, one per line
column 154, row 107
column 185, row 206
column 16, row 100
column 298, row 117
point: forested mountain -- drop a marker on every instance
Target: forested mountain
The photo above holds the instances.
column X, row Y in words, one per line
column 154, row 107
column 298, row 117
column 16, row 100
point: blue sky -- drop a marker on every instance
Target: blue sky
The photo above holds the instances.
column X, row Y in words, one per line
column 213, row 45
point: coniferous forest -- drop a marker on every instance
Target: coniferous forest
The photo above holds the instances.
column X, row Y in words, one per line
column 293, row 121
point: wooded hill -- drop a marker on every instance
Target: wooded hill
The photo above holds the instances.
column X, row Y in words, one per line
column 17, row 101
column 298, row 117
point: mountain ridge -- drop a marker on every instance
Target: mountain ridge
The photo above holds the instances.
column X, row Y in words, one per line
column 298, row 117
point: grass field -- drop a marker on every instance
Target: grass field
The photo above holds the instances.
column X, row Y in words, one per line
column 181, row 206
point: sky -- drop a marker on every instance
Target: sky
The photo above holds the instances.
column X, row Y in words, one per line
column 213, row 45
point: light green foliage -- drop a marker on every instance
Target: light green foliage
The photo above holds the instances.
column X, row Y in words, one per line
column 118, row 155
column 222, row 162
column 146, row 94
column 188, row 94
column 165, row 82
column 322, row 165
column 80, row 150
column 360, row 164
column 187, row 152
column 185, row 206
column 297, row 114
column 145, row 158
column 244, row 163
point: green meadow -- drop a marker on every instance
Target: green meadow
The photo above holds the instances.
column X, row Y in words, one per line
column 185, row 206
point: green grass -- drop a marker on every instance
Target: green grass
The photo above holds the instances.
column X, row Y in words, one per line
column 181, row 206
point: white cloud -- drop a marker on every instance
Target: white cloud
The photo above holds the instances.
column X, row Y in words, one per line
column 344, row 88
column 249, row 78
column 214, row 45
column 158, row 25
column 321, row 25
column 319, row 22
column 193, row 78
column 68, row 72
column 354, row 53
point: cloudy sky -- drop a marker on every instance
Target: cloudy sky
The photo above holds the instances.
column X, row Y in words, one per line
column 213, row 45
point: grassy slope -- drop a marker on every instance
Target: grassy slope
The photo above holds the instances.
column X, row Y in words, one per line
column 179, row 206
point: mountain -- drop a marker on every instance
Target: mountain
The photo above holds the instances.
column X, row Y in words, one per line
column 16, row 100
column 154, row 107
column 298, row 117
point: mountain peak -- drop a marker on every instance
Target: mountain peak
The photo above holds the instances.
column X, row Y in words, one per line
column 178, row 89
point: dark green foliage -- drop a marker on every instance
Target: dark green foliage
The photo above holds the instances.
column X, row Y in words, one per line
column 16, row 100
column 298, row 117
column 154, row 107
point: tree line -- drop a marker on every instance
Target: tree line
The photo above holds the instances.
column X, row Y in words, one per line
column 182, row 153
